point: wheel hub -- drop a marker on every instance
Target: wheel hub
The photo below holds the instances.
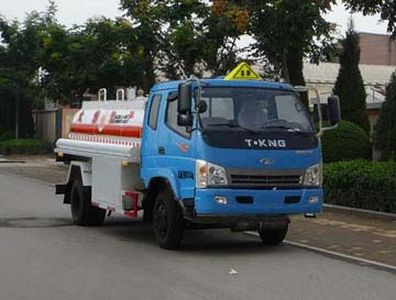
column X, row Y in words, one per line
column 161, row 220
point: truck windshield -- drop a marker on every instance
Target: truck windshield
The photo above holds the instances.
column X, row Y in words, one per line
column 254, row 109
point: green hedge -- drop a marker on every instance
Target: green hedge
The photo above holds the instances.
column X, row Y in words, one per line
column 7, row 135
column 347, row 142
column 361, row 184
column 24, row 146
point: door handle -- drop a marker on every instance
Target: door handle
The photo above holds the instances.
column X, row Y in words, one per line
column 161, row 150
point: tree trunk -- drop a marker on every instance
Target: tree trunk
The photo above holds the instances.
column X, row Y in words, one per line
column 149, row 72
column 294, row 65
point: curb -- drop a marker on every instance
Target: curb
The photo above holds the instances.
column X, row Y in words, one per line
column 345, row 257
column 338, row 255
column 359, row 212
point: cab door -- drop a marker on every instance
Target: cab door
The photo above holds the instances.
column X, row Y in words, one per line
column 176, row 148
column 150, row 131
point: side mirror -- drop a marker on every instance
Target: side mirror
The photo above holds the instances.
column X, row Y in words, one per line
column 185, row 120
column 184, row 96
column 334, row 109
column 323, row 110
column 202, row 106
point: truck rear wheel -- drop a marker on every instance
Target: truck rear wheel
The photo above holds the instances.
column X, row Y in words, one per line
column 167, row 221
column 83, row 213
column 273, row 236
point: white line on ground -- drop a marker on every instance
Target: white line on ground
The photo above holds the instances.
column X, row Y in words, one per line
column 358, row 211
column 337, row 254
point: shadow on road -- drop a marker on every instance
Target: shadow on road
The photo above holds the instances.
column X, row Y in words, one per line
column 34, row 222
column 198, row 242
column 214, row 241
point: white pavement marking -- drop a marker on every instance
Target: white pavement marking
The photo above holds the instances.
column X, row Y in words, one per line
column 232, row 272
column 357, row 211
column 337, row 254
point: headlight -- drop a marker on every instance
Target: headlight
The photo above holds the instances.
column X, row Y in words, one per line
column 209, row 174
column 313, row 176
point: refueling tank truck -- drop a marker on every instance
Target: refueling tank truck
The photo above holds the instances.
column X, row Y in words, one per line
column 233, row 152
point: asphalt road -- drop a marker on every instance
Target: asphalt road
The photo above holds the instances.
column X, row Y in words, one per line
column 43, row 256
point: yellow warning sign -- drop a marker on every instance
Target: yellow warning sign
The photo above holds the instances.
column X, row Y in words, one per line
column 243, row 72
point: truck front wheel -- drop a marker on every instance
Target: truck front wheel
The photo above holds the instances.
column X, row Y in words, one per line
column 167, row 221
column 272, row 236
column 83, row 213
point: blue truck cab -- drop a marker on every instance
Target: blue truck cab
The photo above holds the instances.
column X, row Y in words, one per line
column 241, row 154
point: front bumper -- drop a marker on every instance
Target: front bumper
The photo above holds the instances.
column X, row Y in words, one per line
column 260, row 202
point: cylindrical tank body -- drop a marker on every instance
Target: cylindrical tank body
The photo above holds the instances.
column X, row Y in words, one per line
column 112, row 122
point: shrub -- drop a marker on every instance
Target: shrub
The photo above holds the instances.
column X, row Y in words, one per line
column 24, row 146
column 385, row 129
column 2, row 130
column 347, row 142
column 361, row 184
column 7, row 135
column 349, row 85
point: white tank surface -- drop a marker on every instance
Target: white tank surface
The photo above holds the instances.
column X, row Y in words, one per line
column 104, row 127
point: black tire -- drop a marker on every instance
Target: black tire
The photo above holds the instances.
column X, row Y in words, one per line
column 83, row 213
column 167, row 221
column 273, row 236
column 148, row 210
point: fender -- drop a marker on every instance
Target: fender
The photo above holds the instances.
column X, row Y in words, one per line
column 85, row 172
column 170, row 175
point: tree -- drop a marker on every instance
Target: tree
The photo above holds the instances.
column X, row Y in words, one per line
column 203, row 36
column 183, row 42
column 287, row 31
column 385, row 129
column 19, row 82
column 148, row 18
column 386, row 8
column 102, row 53
column 226, row 22
column 349, row 85
column 188, row 36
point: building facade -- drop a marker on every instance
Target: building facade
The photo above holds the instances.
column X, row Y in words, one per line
column 377, row 49
column 323, row 77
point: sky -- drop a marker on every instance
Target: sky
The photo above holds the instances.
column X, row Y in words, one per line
column 78, row 11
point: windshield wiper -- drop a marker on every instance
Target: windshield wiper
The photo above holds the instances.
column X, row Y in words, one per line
column 231, row 125
column 286, row 128
column 280, row 127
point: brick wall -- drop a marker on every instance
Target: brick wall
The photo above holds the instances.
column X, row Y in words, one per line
column 377, row 49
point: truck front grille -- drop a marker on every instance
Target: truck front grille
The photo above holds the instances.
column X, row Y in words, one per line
column 276, row 179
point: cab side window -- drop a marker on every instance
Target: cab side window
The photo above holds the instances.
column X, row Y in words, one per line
column 154, row 109
column 171, row 119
